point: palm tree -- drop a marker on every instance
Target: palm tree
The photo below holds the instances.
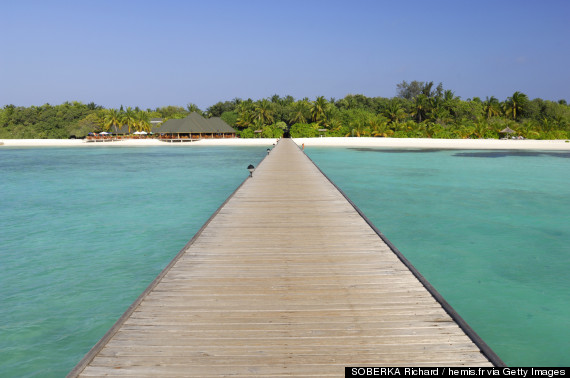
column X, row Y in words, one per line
column 481, row 127
column 426, row 90
column 142, row 121
column 358, row 128
column 264, row 112
column 301, row 110
column 128, row 118
column 431, row 129
column 448, row 95
column 335, row 124
column 112, row 118
column 440, row 115
column 258, row 124
column 394, row 112
column 449, row 102
column 416, row 130
column 191, row 107
column 404, row 128
column 491, row 107
column 245, row 120
column 515, row 104
column 465, row 128
column 318, row 109
column 378, row 126
column 245, row 114
column 420, row 107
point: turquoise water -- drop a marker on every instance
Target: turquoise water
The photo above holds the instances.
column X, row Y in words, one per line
column 490, row 230
column 83, row 233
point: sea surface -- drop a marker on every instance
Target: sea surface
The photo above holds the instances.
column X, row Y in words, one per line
column 490, row 230
column 85, row 230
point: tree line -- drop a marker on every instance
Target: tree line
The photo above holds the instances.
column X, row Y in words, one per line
column 419, row 110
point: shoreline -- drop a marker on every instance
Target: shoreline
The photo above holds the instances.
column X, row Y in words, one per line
column 445, row 144
column 133, row 143
column 414, row 143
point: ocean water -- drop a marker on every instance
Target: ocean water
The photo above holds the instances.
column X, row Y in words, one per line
column 489, row 229
column 83, row 231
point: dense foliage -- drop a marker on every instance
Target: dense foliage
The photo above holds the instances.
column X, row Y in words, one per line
column 418, row 111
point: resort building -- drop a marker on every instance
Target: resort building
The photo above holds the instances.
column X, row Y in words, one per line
column 156, row 122
column 194, row 127
column 190, row 128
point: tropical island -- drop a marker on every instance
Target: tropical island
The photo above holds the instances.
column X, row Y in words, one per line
column 419, row 110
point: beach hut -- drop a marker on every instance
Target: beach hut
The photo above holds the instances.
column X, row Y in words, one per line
column 121, row 130
column 507, row 131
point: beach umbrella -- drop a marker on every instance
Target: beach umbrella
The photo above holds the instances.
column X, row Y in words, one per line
column 507, row 130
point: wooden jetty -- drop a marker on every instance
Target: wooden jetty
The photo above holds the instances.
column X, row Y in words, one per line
column 287, row 278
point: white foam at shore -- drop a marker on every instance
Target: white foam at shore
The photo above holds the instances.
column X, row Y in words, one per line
column 465, row 144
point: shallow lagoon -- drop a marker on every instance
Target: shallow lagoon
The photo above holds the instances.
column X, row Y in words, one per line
column 84, row 231
column 489, row 229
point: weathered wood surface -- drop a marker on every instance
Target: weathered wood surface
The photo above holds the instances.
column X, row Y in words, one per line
column 287, row 279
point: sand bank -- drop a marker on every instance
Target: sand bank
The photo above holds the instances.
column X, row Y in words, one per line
column 462, row 144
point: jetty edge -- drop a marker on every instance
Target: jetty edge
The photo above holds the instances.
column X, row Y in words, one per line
column 113, row 330
column 477, row 340
column 334, row 295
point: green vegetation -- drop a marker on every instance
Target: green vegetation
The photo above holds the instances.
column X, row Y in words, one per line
column 418, row 111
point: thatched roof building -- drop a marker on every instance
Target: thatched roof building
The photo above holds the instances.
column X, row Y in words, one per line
column 196, row 126
column 193, row 126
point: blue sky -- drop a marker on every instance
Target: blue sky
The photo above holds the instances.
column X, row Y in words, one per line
column 157, row 53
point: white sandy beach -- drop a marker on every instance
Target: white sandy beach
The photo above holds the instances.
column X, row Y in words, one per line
column 462, row 144
column 132, row 143
column 417, row 143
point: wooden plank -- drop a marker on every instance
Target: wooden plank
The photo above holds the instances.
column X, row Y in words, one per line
column 286, row 279
column 244, row 350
